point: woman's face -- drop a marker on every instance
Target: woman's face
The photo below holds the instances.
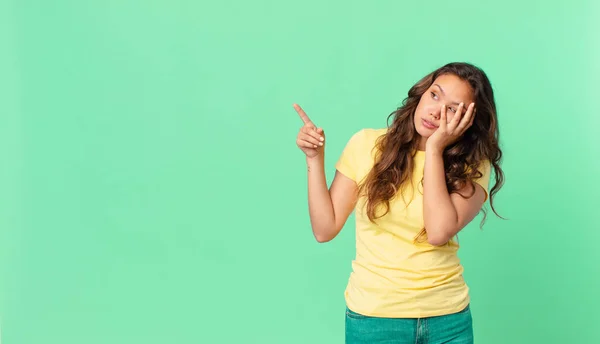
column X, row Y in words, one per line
column 447, row 89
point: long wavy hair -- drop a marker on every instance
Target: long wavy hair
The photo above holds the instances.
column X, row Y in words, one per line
column 462, row 160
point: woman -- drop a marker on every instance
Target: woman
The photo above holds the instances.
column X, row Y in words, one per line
column 413, row 186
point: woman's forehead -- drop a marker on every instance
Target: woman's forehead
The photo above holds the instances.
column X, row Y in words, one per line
column 453, row 87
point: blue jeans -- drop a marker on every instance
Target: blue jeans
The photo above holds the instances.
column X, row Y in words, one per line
column 454, row 328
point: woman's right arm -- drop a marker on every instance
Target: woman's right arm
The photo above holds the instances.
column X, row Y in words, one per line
column 328, row 208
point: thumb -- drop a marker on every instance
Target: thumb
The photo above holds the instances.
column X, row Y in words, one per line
column 321, row 132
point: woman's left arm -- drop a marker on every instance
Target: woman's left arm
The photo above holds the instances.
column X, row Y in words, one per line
column 446, row 214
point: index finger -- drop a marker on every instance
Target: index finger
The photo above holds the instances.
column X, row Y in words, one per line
column 443, row 120
column 458, row 117
column 470, row 113
column 302, row 114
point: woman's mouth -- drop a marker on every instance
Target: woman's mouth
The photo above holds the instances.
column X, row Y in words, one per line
column 428, row 124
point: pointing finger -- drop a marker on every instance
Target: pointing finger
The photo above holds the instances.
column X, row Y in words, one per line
column 302, row 114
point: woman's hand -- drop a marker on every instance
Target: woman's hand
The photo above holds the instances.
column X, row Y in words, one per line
column 310, row 139
column 449, row 132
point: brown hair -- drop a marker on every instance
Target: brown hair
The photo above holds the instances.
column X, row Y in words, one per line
column 396, row 149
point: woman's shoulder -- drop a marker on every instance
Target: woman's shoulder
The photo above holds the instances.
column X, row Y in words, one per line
column 359, row 154
column 364, row 140
column 368, row 135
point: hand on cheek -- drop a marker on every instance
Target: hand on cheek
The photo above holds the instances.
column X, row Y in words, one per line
column 451, row 127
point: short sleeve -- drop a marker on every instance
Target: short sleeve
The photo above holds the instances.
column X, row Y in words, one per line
column 484, row 180
column 347, row 163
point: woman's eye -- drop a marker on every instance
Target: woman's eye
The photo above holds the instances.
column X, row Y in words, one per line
column 453, row 110
column 433, row 95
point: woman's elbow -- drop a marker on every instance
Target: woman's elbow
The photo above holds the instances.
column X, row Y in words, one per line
column 322, row 239
column 439, row 237
column 326, row 235
column 438, row 240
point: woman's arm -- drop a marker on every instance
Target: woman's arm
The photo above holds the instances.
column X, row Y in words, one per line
column 446, row 214
column 328, row 209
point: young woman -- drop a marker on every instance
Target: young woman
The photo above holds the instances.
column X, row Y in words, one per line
column 413, row 187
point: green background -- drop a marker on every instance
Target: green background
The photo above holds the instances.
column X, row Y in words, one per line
column 151, row 190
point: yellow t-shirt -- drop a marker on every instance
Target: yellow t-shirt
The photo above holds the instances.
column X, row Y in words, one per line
column 396, row 272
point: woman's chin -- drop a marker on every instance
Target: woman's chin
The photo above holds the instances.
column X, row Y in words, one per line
column 424, row 132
